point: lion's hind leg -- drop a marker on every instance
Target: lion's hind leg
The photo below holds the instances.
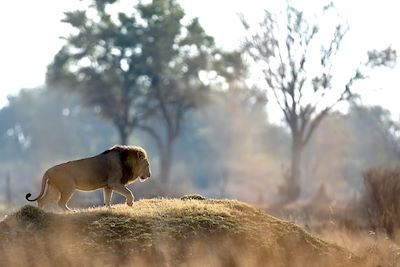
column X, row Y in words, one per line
column 65, row 197
column 51, row 195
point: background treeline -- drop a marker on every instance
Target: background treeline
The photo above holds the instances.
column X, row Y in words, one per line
column 148, row 75
column 227, row 149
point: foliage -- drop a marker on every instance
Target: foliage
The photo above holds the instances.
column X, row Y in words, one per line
column 347, row 144
column 42, row 125
column 379, row 134
column 142, row 68
column 386, row 57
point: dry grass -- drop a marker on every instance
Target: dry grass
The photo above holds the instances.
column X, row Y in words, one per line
column 163, row 232
column 382, row 200
column 375, row 248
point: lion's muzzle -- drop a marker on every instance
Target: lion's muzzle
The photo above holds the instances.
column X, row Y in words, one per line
column 145, row 177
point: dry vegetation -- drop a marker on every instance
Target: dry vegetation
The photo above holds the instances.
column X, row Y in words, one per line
column 381, row 199
column 367, row 226
column 376, row 249
column 163, row 232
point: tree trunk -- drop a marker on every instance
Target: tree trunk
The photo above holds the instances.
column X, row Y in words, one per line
column 290, row 190
column 294, row 192
column 166, row 161
column 123, row 135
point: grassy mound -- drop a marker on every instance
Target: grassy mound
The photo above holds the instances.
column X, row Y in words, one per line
column 162, row 232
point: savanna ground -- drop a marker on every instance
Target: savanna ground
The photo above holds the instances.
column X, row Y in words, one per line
column 346, row 227
column 180, row 232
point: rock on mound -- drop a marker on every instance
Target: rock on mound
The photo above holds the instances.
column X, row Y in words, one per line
column 162, row 232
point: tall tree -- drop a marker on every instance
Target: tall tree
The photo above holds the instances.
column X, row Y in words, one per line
column 180, row 61
column 101, row 61
column 143, row 70
column 301, row 80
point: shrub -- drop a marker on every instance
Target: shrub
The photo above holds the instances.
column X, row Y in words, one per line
column 382, row 198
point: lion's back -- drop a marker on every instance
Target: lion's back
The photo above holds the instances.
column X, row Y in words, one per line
column 87, row 173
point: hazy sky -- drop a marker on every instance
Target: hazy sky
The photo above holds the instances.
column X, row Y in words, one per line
column 30, row 33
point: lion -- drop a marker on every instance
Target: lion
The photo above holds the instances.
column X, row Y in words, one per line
column 111, row 170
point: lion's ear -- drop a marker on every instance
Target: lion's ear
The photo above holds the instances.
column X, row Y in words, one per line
column 140, row 155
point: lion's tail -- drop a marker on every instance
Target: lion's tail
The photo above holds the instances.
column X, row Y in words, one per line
column 43, row 189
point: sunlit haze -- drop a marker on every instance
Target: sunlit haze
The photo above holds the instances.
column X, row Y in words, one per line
column 199, row 133
column 31, row 30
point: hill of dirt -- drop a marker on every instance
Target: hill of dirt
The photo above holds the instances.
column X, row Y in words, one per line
column 163, row 232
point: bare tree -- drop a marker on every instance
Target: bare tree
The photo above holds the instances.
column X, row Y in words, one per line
column 301, row 79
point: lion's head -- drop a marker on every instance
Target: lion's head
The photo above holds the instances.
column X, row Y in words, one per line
column 143, row 165
column 134, row 162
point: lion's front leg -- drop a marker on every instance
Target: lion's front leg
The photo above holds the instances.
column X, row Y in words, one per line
column 123, row 190
column 107, row 193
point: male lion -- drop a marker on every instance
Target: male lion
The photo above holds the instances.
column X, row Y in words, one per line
column 111, row 170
